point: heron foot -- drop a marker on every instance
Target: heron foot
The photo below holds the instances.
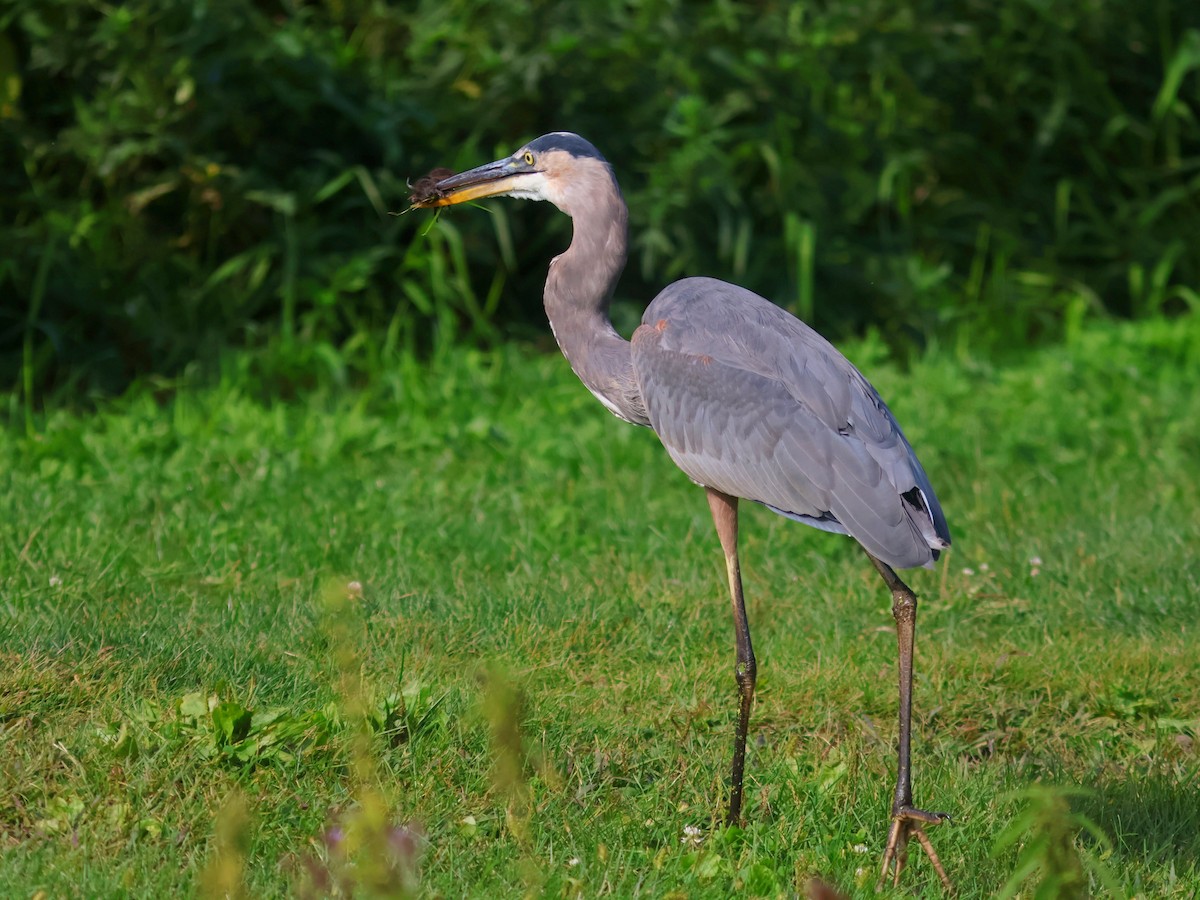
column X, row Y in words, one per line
column 908, row 822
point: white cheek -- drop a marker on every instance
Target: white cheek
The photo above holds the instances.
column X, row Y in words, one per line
column 533, row 187
column 538, row 187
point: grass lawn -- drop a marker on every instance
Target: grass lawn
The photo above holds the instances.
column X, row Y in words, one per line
column 463, row 619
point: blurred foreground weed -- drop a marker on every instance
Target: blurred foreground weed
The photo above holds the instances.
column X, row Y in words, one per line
column 1048, row 835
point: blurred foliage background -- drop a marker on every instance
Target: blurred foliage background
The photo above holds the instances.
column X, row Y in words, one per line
column 184, row 176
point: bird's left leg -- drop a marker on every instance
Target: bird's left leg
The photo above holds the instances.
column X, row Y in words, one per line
column 907, row 820
column 725, row 517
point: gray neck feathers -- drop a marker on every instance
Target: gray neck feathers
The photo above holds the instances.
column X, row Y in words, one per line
column 578, row 291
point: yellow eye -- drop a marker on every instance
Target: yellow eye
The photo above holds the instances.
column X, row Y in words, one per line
column 528, row 158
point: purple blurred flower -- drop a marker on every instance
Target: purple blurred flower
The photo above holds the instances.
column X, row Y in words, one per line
column 334, row 837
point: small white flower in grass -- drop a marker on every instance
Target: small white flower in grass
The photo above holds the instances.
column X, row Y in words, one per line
column 983, row 567
column 55, row 581
column 1035, row 560
column 860, row 848
column 692, row 836
column 968, row 571
column 573, row 861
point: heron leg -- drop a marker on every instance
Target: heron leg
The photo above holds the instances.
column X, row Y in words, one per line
column 725, row 517
column 907, row 820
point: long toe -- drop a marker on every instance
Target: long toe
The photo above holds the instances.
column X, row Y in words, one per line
column 908, row 824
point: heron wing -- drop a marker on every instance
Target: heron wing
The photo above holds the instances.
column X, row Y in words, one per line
column 750, row 401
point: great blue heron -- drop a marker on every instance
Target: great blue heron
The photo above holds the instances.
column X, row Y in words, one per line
column 750, row 403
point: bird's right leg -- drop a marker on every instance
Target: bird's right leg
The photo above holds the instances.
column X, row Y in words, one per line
column 725, row 517
column 907, row 820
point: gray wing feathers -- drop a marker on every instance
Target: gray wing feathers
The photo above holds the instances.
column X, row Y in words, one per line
column 750, row 401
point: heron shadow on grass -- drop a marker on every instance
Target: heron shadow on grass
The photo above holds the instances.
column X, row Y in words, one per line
column 1151, row 816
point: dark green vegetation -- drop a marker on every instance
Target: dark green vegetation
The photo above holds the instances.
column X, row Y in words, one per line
column 311, row 579
column 180, row 175
column 540, row 654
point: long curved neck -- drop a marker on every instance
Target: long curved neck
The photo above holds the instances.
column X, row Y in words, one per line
column 578, row 291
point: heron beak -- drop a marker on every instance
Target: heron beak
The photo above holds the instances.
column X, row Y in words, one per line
column 490, row 180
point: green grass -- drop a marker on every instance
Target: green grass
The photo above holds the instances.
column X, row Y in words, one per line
column 537, row 670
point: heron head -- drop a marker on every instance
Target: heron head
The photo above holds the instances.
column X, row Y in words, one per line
column 554, row 167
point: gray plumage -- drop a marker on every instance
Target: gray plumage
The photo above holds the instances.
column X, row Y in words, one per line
column 749, row 402
column 746, row 398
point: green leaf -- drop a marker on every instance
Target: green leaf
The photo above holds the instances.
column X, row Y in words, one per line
column 280, row 201
column 1185, row 59
column 195, row 705
column 231, row 722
